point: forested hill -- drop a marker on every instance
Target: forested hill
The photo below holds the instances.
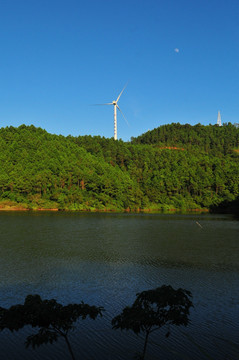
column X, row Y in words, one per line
column 41, row 170
column 210, row 138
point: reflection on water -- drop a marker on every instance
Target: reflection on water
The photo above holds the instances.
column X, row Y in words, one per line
column 105, row 259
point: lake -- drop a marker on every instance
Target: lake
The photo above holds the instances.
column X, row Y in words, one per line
column 104, row 260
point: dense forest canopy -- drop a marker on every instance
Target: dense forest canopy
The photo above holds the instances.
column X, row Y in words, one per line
column 172, row 167
column 211, row 138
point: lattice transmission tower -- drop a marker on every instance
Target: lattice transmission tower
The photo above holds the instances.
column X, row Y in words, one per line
column 219, row 121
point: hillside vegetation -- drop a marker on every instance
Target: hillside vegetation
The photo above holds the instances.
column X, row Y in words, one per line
column 41, row 170
column 212, row 138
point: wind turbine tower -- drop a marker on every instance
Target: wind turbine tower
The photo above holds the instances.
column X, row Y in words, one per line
column 219, row 121
column 116, row 106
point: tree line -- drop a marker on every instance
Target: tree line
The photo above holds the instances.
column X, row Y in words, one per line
column 211, row 138
column 173, row 167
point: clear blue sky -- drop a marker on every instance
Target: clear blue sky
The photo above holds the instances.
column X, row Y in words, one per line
column 58, row 57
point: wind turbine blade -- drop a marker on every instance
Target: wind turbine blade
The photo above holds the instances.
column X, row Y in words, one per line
column 123, row 115
column 121, row 93
column 102, row 104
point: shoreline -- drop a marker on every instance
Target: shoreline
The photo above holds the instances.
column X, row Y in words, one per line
column 129, row 211
column 118, row 211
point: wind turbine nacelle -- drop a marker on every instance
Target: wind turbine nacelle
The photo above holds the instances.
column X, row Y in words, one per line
column 114, row 102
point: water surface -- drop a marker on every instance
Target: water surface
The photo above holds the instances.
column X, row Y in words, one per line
column 105, row 259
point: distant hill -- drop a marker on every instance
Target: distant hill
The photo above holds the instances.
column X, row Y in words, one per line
column 41, row 170
column 210, row 138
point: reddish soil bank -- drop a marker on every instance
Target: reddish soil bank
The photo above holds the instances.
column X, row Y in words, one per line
column 19, row 208
column 12, row 208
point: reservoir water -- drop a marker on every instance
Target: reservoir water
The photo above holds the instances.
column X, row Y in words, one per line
column 104, row 260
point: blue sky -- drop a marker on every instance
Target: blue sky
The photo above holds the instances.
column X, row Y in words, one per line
column 59, row 57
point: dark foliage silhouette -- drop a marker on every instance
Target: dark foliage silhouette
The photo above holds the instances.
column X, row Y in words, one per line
column 154, row 309
column 52, row 319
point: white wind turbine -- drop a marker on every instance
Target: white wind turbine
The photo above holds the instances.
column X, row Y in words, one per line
column 116, row 106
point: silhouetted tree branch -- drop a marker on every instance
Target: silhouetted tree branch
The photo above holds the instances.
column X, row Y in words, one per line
column 153, row 309
column 53, row 319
